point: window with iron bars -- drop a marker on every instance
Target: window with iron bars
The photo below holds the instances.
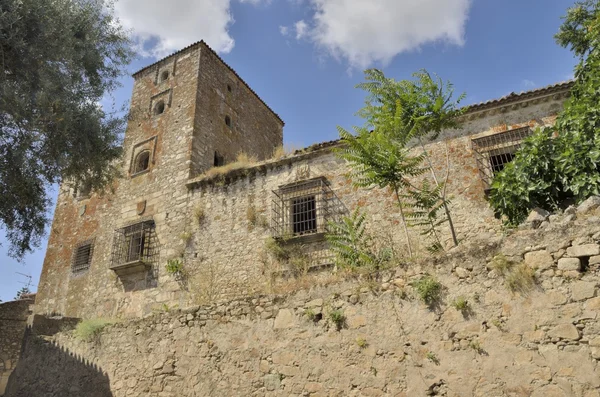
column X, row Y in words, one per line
column 302, row 208
column 82, row 257
column 136, row 243
column 493, row 152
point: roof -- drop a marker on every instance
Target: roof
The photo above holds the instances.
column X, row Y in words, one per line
column 523, row 95
column 203, row 43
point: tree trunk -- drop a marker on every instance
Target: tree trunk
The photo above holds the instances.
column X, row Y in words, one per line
column 446, row 209
column 410, row 253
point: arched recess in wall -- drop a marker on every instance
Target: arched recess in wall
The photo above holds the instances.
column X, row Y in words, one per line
column 164, row 75
column 141, row 162
column 159, row 108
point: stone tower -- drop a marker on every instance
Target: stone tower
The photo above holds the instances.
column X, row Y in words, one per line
column 189, row 111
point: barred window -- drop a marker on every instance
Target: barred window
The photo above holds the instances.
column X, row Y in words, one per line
column 302, row 208
column 134, row 245
column 82, row 257
column 493, row 152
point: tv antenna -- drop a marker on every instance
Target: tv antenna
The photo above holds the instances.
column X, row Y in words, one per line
column 29, row 282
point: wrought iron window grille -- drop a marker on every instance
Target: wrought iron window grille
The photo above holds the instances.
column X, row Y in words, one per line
column 135, row 244
column 493, row 152
column 303, row 208
column 82, row 257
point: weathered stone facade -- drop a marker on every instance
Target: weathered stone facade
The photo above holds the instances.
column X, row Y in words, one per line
column 13, row 322
column 190, row 111
column 544, row 342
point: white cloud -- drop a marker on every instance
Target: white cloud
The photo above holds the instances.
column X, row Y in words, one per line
column 284, row 30
column 172, row 25
column 364, row 32
column 301, row 29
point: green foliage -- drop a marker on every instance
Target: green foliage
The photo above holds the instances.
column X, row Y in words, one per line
column 554, row 165
column 362, row 343
column 23, row 291
column 292, row 256
column 338, row 318
column 428, row 289
column 60, row 59
column 89, row 329
column 476, row 345
column 175, row 267
column 426, row 203
column 461, row 304
column 396, row 113
column 352, row 246
column 431, row 356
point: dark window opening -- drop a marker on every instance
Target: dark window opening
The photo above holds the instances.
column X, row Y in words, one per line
column 159, row 108
column 499, row 161
column 228, row 88
column 304, row 215
column 82, row 258
column 219, row 161
column 136, row 242
column 493, row 152
column 142, row 162
column 164, row 75
column 228, row 121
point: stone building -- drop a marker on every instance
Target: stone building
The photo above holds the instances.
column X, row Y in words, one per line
column 108, row 251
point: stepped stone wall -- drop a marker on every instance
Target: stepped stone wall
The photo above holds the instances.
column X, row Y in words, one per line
column 543, row 341
column 13, row 322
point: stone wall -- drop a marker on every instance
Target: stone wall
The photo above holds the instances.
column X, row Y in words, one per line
column 13, row 322
column 542, row 341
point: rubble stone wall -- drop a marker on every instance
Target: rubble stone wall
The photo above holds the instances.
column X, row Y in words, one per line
column 13, row 322
column 359, row 336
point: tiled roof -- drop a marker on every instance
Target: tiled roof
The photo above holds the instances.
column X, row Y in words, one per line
column 514, row 97
column 202, row 42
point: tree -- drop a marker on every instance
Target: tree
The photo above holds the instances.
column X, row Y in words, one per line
column 398, row 114
column 564, row 161
column 22, row 292
column 417, row 109
column 379, row 160
column 59, row 58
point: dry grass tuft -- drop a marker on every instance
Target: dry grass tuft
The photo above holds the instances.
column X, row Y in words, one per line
column 243, row 160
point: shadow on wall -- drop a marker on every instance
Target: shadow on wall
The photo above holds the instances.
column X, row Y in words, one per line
column 47, row 369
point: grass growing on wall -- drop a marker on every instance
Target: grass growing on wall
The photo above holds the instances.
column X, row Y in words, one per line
column 89, row 329
column 243, row 160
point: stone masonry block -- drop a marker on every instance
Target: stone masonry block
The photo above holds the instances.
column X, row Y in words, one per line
column 583, row 290
column 541, row 260
column 569, row 264
column 583, row 250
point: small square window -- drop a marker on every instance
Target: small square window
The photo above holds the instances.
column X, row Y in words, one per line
column 302, row 208
column 134, row 246
column 304, row 215
column 493, row 152
column 82, row 257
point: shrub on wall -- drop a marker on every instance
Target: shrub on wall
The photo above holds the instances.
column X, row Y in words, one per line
column 551, row 167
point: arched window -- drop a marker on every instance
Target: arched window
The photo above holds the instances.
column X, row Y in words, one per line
column 164, row 75
column 142, row 161
column 228, row 121
column 159, row 108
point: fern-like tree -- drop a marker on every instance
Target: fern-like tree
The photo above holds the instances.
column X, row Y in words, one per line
column 399, row 115
column 412, row 111
column 380, row 160
column 352, row 246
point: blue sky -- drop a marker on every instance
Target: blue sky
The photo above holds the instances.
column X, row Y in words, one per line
column 304, row 57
